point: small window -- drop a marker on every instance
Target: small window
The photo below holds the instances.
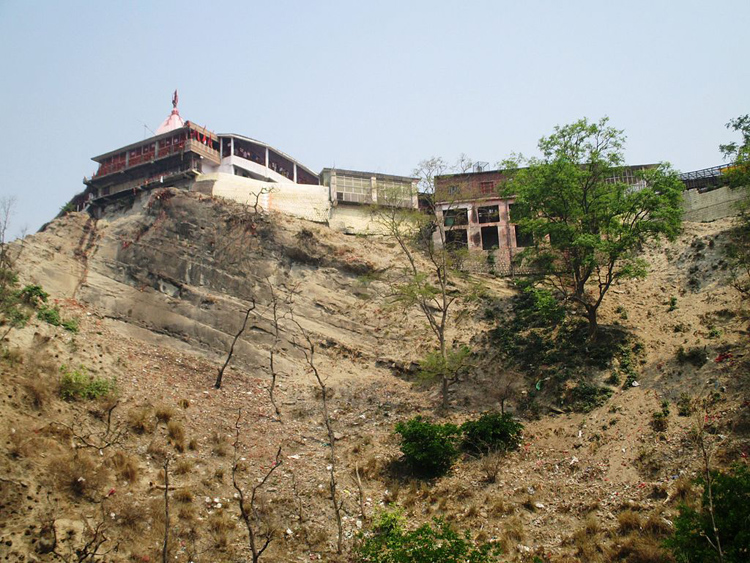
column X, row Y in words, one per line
column 455, row 217
column 489, row 214
column 487, row 188
column 523, row 238
column 490, row 238
column 454, row 190
column 455, row 239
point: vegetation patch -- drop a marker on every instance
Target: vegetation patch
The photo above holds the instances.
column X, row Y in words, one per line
column 429, row 449
column 390, row 541
column 77, row 384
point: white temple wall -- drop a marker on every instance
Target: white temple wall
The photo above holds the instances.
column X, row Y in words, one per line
column 299, row 200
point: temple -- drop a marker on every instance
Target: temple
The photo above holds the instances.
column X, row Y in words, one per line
column 184, row 155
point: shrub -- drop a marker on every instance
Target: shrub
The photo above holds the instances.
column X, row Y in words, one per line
column 389, row 542
column 731, row 507
column 491, row 432
column 585, row 397
column 537, row 307
column 50, row 315
column 71, row 325
column 429, row 449
column 33, row 295
column 77, row 384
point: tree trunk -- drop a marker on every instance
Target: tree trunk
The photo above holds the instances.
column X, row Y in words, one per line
column 593, row 324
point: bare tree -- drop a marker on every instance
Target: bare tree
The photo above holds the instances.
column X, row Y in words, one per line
column 259, row 532
column 7, row 206
column 220, row 376
column 277, row 315
column 427, row 170
column 308, row 349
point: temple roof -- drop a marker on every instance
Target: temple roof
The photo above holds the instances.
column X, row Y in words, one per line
column 174, row 121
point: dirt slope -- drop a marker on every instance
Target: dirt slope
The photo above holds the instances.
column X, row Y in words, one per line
column 160, row 289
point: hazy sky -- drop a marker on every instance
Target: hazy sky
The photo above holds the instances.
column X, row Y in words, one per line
column 374, row 86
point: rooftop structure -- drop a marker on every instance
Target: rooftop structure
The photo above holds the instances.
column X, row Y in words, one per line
column 180, row 152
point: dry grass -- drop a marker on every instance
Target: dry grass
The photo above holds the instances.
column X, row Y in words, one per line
column 490, row 465
column 219, row 526
column 683, row 489
column 176, row 433
column 628, row 520
column 183, row 466
column 125, row 466
column 514, row 530
column 656, row 525
column 183, row 495
column 164, row 413
column 639, row 549
column 140, row 420
column 220, row 445
column 127, row 513
column 80, row 474
column 39, row 392
column 21, row 442
column 588, row 542
column 156, row 450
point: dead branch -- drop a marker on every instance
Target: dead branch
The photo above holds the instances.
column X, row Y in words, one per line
column 260, row 534
column 165, row 546
column 309, row 352
column 217, row 385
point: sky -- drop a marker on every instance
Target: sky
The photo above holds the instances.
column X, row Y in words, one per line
column 364, row 85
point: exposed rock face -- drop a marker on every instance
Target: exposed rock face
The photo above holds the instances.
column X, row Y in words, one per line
column 180, row 264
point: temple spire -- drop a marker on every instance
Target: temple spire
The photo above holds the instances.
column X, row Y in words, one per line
column 175, row 99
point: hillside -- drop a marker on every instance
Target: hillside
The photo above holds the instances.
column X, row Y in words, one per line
column 161, row 288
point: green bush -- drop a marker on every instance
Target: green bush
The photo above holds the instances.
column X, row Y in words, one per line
column 693, row 527
column 49, row 315
column 492, row 432
column 33, row 295
column 388, row 542
column 537, row 307
column 71, row 325
column 429, row 449
column 77, row 384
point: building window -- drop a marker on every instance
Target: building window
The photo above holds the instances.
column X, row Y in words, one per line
column 353, row 189
column 487, row 188
column 489, row 214
column 454, row 190
column 455, row 239
column 455, row 217
column 490, row 238
column 523, row 238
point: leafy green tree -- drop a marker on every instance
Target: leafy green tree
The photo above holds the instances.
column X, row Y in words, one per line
column 587, row 221
column 738, row 154
column 738, row 173
column 389, row 542
column 719, row 529
column 429, row 449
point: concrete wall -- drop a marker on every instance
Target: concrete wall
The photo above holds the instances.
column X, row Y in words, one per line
column 299, row 200
column 712, row 205
column 354, row 219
